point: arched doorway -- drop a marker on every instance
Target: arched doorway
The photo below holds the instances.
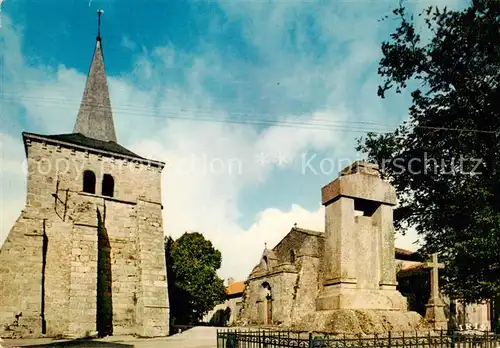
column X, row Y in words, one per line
column 268, row 303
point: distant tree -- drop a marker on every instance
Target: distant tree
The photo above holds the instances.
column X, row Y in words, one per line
column 451, row 198
column 194, row 287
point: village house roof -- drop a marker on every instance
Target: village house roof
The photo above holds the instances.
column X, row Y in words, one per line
column 411, row 270
column 235, row 288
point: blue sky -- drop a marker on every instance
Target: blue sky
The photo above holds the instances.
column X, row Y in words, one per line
column 293, row 65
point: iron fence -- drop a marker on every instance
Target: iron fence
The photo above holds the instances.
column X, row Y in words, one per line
column 281, row 339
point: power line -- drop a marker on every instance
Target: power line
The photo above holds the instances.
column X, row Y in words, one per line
column 198, row 111
column 172, row 113
column 209, row 117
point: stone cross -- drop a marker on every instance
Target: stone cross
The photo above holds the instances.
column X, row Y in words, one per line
column 434, row 266
column 435, row 308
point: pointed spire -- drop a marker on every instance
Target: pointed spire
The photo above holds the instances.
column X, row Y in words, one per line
column 95, row 118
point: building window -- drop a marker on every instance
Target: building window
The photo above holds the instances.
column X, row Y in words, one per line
column 108, row 185
column 89, row 181
column 292, row 256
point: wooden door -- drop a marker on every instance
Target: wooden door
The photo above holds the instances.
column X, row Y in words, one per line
column 269, row 312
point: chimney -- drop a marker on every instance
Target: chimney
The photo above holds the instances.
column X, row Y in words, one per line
column 230, row 281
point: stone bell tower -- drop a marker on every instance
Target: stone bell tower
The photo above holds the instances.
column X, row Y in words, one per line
column 359, row 270
column 86, row 256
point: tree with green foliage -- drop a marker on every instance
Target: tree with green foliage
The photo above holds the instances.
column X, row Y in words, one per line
column 445, row 160
column 416, row 290
column 193, row 284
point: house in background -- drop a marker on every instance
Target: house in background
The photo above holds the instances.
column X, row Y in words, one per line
column 234, row 292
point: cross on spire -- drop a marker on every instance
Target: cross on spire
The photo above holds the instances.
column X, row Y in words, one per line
column 99, row 13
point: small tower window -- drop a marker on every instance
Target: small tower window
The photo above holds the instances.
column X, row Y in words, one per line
column 89, row 181
column 108, row 185
column 292, row 256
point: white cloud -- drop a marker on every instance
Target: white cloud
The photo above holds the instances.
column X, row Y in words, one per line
column 129, row 44
column 12, row 183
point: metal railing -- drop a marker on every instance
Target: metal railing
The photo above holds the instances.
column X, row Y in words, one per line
column 281, row 339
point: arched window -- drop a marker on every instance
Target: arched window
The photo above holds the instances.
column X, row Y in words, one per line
column 108, row 185
column 89, row 181
column 266, row 264
column 292, row 256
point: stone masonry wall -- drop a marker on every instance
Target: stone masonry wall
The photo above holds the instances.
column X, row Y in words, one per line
column 254, row 307
column 64, row 291
column 306, row 288
column 122, row 233
column 294, row 285
column 83, row 287
column 301, row 243
column 234, row 304
column 21, row 262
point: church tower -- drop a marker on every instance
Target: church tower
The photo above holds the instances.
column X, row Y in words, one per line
column 86, row 254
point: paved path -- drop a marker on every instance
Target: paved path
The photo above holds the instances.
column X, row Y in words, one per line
column 198, row 337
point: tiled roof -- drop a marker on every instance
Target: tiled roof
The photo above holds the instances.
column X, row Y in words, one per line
column 411, row 270
column 404, row 251
column 236, row 288
column 413, row 267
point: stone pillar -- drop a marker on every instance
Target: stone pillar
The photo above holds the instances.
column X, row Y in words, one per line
column 387, row 249
column 340, row 247
column 83, row 277
column 358, row 263
column 152, row 314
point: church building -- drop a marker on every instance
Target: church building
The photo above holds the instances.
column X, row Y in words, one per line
column 86, row 256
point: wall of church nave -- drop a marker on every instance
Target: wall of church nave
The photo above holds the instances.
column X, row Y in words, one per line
column 258, row 310
column 306, row 288
column 300, row 243
column 253, row 311
column 283, row 291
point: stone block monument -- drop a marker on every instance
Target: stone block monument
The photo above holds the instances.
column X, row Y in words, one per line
column 357, row 279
